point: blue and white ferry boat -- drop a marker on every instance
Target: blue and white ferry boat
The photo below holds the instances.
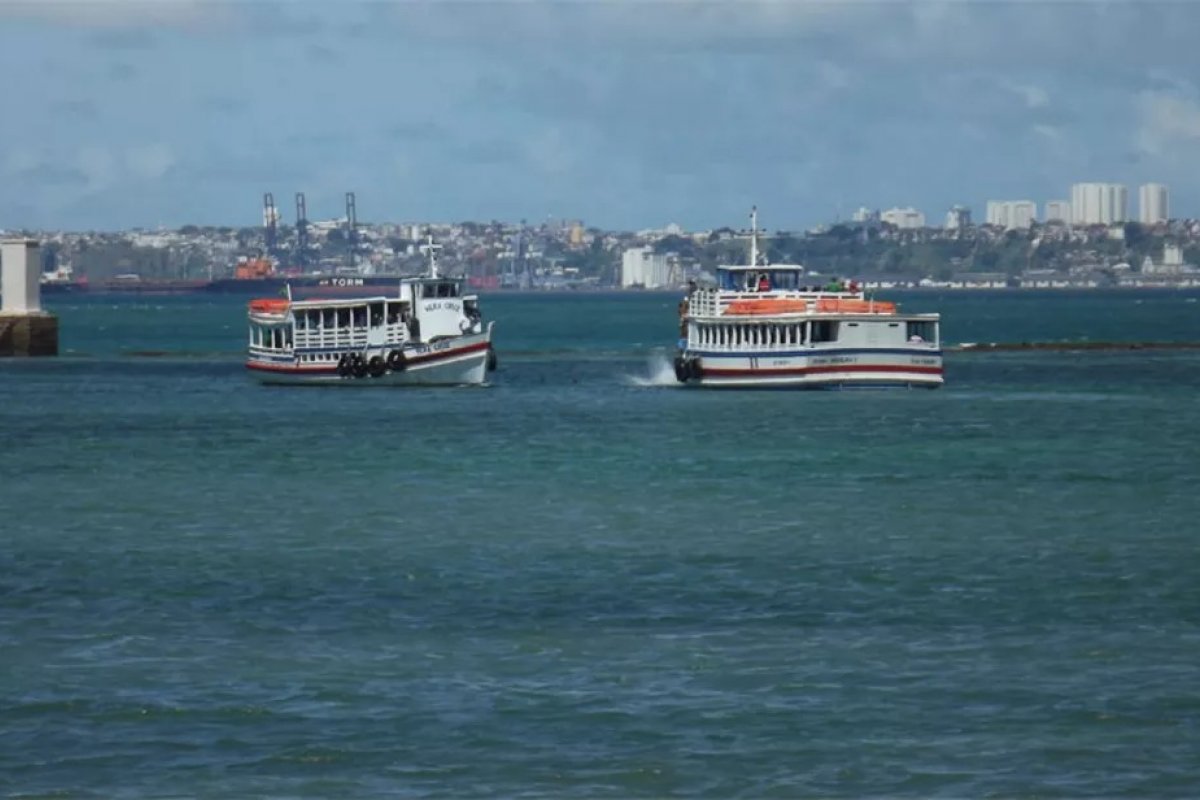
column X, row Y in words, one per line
column 760, row 325
column 428, row 333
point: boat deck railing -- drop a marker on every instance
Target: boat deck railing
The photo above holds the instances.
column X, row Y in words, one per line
column 710, row 302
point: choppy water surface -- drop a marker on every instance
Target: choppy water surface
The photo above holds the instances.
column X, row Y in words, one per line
column 585, row 582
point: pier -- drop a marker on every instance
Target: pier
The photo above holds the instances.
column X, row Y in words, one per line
column 25, row 328
column 992, row 347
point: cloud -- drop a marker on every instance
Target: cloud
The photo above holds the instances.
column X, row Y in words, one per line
column 116, row 14
column 1034, row 96
column 1049, row 132
column 150, row 161
column 1169, row 123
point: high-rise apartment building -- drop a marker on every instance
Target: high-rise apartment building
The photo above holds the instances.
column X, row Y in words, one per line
column 1011, row 214
column 1152, row 204
column 1099, row 203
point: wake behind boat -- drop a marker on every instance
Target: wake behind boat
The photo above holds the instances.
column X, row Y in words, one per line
column 760, row 326
column 427, row 333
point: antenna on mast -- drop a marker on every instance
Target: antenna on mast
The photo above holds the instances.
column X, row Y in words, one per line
column 431, row 250
column 754, row 236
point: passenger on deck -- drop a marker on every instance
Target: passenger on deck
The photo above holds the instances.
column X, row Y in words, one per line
column 764, row 283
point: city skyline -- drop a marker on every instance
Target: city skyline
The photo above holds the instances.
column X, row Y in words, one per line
column 625, row 115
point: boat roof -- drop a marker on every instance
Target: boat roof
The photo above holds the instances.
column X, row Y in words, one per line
column 761, row 268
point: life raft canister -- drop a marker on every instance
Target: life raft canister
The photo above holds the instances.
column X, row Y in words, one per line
column 376, row 367
column 396, row 361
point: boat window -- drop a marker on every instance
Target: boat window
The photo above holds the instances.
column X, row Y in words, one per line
column 393, row 313
column 376, row 314
column 785, row 279
column 343, row 318
column 824, row 330
column 920, row 331
column 302, row 322
column 360, row 316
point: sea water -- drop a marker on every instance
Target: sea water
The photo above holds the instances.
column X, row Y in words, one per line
column 585, row 581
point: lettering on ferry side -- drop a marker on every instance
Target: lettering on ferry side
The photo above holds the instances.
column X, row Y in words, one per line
column 925, row 362
column 438, row 305
column 833, row 360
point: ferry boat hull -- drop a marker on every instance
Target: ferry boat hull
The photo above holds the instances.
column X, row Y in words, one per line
column 463, row 361
column 840, row 369
column 760, row 325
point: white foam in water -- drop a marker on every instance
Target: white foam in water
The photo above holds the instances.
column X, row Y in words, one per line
column 660, row 371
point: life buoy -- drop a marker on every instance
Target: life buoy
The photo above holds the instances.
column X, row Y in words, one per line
column 681, row 369
column 359, row 366
column 396, row 361
column 345, row 366
column 491, row 359
column 376, row 367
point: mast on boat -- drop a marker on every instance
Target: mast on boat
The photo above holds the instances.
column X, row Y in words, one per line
column 754, row 236
column 431, row 250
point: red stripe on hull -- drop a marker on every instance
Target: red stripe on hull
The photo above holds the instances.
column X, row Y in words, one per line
column 822, row 370
column 291, row 369
column 475, row 348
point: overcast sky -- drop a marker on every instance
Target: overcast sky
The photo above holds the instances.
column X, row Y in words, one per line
column 624, row 114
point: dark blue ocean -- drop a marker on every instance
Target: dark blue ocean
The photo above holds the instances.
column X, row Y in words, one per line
column 583, row 581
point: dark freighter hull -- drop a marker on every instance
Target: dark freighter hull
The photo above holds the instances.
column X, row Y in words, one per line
column 301, row 285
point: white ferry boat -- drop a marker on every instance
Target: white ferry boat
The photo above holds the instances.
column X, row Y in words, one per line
column 761, row 326
column 428, row 333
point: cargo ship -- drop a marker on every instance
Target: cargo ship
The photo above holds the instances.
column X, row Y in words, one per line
column 261, row 276
column 252, row 276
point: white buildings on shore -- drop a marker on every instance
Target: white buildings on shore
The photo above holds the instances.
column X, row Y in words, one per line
column 904, row 218
column 1012, row 214
column 1058, row 211
column 958, row 218
column 1153, row 204
column 1099, row 203
column 641, row 266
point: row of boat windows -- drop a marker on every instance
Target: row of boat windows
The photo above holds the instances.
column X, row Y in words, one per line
column 814, row 332
column 441, row 289
column 373, row 315
column 273, row 336
column 765, row 334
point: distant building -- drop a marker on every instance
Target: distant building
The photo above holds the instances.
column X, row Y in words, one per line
column 904, row 218
column 1171, row 264
column 1152, row 204
column 1011, row 214
column 1058, row 211
column 641, row 266
column 1099, row 203
column 865, row 214
column 958, row 218
column 576, row 235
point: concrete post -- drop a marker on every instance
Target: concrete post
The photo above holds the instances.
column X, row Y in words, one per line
column 25, row 329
